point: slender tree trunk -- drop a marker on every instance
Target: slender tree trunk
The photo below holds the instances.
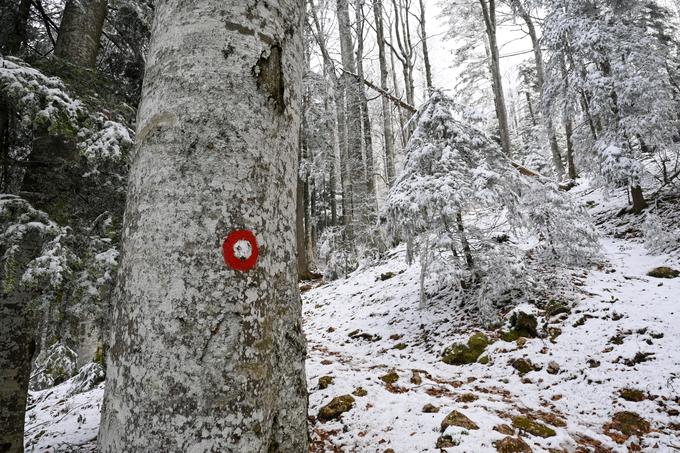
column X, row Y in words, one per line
column 540, row 79
column 426, row 52
column 467, row 251
column 205, row 357
column 489, row 13
column 300, row 214
column 80, row 32
column 358, row 207
column 340, row 131
column 568, row 129
column 366, row 120
column 388, row 131
column 397, row 93
column 531, row 108
column 332, row 166
column 402, row 31
column 13, row 18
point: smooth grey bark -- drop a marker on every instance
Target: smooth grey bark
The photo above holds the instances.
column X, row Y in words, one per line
column 13, row 18
column 357, row 211
column 489, row 16
column 80, row 32
column 388, row 130
column 204, row 358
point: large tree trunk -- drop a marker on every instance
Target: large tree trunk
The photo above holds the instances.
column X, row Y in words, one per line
column 204, row 357
column 489, row 16
column 80, row 31
column 357, row 209
column 388, row 131
column 13, row 18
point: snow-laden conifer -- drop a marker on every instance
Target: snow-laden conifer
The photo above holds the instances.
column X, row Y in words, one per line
column 473, row 219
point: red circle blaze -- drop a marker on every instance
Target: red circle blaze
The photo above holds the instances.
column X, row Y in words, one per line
column 231, row 260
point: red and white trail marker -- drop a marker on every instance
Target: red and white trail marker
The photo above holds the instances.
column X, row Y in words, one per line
column 240, row 250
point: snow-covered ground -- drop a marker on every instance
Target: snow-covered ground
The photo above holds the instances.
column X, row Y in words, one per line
column 624, row 333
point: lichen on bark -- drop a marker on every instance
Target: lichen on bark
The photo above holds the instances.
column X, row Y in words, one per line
column 203, row 357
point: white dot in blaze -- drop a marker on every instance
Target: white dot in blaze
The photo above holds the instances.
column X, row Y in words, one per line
column 242, row 250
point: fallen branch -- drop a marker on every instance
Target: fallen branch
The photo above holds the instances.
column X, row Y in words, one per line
column 389, row 96
column 564, row 186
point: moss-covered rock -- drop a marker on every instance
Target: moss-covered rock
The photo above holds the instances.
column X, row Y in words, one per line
column 553, row 367
column 430, row 409
column 553, row 333
column 463, row 354
column 456, row 418
column 467, row 398
column 504, row 429
column 338, row 406
column 478, row 341
column 554, row 308
column 325, row 382
column 400, row 346
column 390, row 378
column 386, row 276
column 360, row 391
column 522, row 365
column 628, row 424
column 664, row 272
column 629, row 394
column 446, row 441
column 512, row 445
column 484, row 360
column 532, row 427
column 510, row 335
column 524, row 324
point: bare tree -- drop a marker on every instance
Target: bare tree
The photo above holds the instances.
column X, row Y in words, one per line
column 426, row 52
column 489, row 16
column 388, row 131
column 357, row 210
column 540, row 80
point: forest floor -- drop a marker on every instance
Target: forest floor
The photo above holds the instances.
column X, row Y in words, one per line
column 610, row 381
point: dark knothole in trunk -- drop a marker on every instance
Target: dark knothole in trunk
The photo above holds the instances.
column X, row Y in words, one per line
column 269, row 73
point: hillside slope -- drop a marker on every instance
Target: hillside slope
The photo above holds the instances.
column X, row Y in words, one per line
column 610, row 381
